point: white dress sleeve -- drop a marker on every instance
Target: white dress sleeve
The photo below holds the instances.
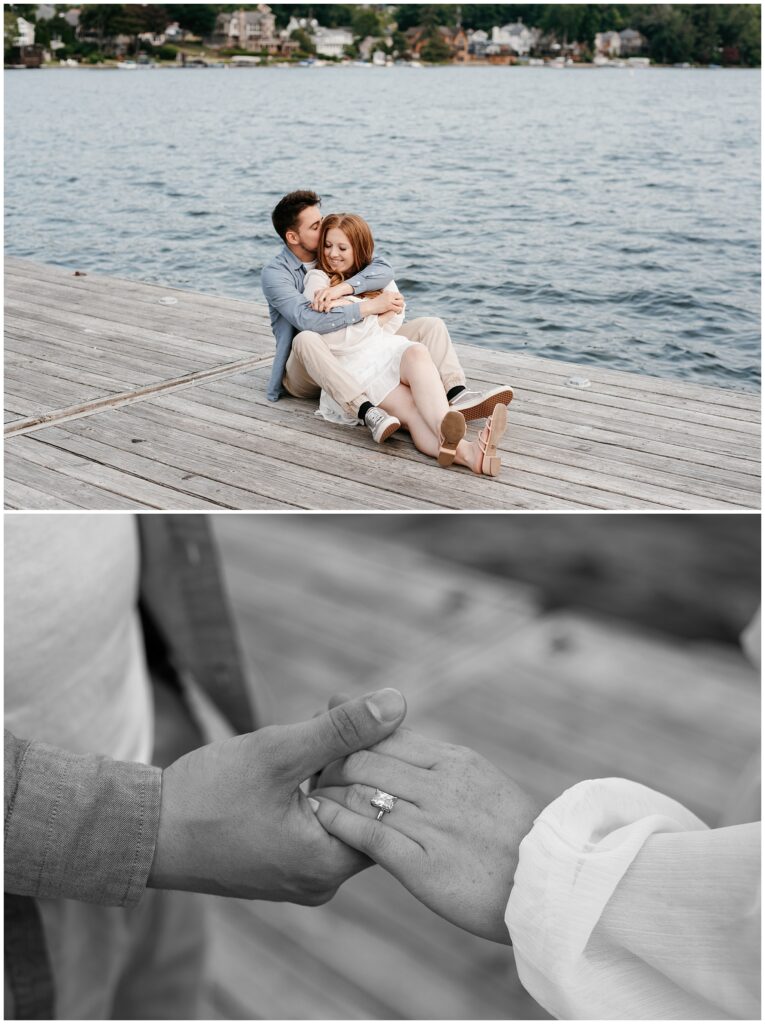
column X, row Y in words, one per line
column 625, row 905
column 314, row 281
column 392, row 325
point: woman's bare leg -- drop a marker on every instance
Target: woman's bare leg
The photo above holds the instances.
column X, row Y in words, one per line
column 419, row 372
column 400, row 403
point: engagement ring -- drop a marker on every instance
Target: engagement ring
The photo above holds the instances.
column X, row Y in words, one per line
column 384, row 801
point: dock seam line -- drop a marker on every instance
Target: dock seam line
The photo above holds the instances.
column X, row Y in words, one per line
column 73, row 412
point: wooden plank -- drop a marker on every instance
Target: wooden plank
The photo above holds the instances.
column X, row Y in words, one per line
column 24, row 475
column 409, row 476
column 659, row 488
column 88, row 460
column 645, row 404
column 196, row 338
column 633, row 464
column 559, row 698
column 496, row 359
column 620, row 446
column 413, row 605
column 21, row 496
column 25, row 271
column 78, row 344
column 117, row 401
column 199, row 467
column 542, row 476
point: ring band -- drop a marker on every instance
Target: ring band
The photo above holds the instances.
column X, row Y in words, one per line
column 383, row 801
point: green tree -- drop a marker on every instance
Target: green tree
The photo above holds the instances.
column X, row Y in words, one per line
column 671, row 36
column 436, row 50
column 366, row 22
column 198, row 19
column 411, row 15
column 10, row 33
column 303, row 40
column 740, row 27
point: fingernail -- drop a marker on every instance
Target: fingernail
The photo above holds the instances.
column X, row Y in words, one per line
column 314, row 804
column 386, row 705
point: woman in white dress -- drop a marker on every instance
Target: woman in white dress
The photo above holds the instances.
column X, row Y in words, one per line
column 397, row 374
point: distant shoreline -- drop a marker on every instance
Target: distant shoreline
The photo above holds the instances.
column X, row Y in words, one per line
column 114, row 65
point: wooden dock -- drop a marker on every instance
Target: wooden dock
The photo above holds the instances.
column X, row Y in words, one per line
column 121, row 395
column 550, row 698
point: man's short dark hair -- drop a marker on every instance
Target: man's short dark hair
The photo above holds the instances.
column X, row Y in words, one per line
column 287, row 211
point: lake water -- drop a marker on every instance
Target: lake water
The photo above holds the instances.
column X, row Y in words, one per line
column 608, row 217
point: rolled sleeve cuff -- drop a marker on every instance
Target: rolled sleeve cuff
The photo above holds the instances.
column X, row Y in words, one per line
column 571, row 862
column 352, row 314
column 81, row 827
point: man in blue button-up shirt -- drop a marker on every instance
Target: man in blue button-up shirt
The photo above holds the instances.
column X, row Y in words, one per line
column 304, row 363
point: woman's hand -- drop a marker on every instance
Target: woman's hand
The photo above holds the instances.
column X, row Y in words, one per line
column 452, row 837
column 325, row 298
column 385, row 302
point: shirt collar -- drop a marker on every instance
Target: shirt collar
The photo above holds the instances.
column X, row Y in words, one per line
column 293, row 261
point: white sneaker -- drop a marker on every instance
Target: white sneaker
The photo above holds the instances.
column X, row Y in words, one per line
column 381, row 424
column 474, row 405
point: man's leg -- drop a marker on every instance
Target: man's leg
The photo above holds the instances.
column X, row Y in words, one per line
column 431, row 331
column 312, row 366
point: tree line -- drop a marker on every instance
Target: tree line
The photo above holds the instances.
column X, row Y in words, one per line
column 675, row 33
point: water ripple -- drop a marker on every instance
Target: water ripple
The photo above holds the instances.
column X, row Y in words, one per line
column 598, row 218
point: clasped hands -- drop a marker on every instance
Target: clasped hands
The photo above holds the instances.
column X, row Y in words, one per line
column 326, row 299
column 235, row 821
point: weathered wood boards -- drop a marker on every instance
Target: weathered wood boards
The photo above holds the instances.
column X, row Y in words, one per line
column 550, row 698
column 110, row 391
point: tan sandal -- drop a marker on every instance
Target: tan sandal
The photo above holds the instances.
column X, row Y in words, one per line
column 452, row 431
column 488, row 440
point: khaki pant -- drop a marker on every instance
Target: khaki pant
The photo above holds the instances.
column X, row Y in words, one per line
column 311, row 365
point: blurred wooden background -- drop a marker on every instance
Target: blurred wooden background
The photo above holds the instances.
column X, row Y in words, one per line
column 532, row 639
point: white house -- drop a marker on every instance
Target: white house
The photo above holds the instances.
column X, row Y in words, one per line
column 331, row 42
column 516, row 37
column 247, row 30
column 26, row 30
column 308, row 25
column 608, row 44
column 632, row 42
column 478, row 40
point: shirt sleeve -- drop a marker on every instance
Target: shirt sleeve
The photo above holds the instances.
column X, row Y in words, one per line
column 374, row 277
column 82, row 827
column 625, row 905
column 282, row 295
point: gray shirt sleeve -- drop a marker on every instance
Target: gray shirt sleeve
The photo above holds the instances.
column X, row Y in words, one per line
column 78, row 826
column 374, row 277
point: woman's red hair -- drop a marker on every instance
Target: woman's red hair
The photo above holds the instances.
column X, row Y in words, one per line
column 359, row 234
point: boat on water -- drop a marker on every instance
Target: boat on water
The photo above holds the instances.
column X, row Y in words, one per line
column 127, row 65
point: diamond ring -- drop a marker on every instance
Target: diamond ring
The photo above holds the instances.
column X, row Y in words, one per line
column 383, row 801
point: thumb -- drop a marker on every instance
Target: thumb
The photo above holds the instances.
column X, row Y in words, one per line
column 354, row 725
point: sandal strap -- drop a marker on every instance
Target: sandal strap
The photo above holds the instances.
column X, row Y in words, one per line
column 485, row 436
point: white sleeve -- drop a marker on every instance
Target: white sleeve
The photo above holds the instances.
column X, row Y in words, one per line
column 392, row 325
column 315, row 280
column 625, row 905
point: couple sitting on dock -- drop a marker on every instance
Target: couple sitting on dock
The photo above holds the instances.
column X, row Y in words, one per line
column 338, row 320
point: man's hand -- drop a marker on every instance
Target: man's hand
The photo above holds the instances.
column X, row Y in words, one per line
column 234, row 822
column 452, row 837
column 385, row 302
column 325, row 298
